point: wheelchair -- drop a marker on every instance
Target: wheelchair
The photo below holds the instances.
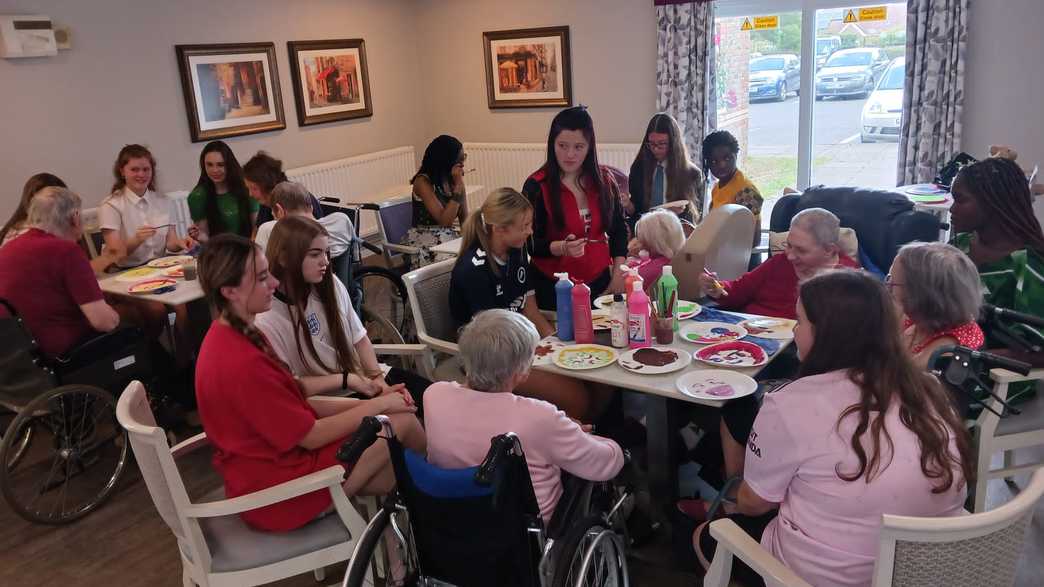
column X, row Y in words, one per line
column 62, row 451
column 482, row 526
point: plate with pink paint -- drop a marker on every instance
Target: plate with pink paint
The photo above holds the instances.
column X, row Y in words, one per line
column 715, row 384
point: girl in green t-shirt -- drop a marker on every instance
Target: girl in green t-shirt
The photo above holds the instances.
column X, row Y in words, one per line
column 220, row 202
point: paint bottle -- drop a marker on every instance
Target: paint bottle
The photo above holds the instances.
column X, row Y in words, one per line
column 618, row 328
column 665, row 287
column 564, row 303
column 632, row 276
column 583, row 324
column 638, row 326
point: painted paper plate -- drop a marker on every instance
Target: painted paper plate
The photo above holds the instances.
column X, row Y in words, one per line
column 672, row 205
column 604, row 302
column 172, row 261
column 711, row 332
column 579, row 357
column 137, row 274
column 687, row 310
column 601, row 320
column 774, row 328
column 715, row 384
column 545, row 349
column 655, row 360
column 153, row 286
column 924, row 189
column 737, row 353
column 176, row 272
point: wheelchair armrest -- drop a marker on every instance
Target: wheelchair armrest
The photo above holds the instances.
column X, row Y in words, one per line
column 99, row 346
column 328, row 478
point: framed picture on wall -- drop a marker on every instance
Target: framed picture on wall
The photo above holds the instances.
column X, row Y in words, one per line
column 230, row 89
column 528, row 68
column 331, row 80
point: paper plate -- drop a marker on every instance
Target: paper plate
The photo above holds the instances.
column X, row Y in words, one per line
column 737, row 353
column 687, row 310
column 774, row 328
column 153, row 286
column 604, row 302
column 923, row 189
column 545, row 350
column 672, row 205
column 647, row 360
column 579, row 357
column 711, row 332
column 601, row 320
column 137, row 274
column 177, row 272
column 174, row 260
column 715, row 384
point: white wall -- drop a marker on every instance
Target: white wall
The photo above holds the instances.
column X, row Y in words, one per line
column 613, row 46
column 119, row 84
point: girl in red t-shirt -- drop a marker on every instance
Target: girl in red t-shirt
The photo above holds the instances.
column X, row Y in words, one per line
column 265, row 432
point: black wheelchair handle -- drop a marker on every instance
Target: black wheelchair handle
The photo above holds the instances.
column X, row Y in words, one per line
column 363, row 438
column 370, row 206
column 500, row 447
column 989, row 310
column 330, row 199
column 985, row 359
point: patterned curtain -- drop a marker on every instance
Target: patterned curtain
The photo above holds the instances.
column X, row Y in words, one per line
column 685, row 68
column 936, row 39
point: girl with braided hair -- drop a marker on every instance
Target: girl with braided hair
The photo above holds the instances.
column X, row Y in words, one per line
column 255, row 412
column 992, row 216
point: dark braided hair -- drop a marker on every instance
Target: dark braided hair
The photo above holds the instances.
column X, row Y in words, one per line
column 1003, row 192
column 718, row 138
column 224, row 261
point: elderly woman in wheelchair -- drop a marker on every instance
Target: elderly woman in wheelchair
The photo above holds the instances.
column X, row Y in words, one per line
column 531, row 526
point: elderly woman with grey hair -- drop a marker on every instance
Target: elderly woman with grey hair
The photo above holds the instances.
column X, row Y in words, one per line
column 937, row 289
column 497, row 348
column 771, row 289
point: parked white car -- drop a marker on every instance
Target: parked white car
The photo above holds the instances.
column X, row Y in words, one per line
column 883, row 111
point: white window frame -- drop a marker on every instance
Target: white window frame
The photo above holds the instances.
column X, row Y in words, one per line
column 808, row 8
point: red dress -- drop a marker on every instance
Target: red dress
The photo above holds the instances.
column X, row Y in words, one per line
column 255, row 416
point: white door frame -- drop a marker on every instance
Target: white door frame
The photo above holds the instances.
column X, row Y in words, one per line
column 734, row 8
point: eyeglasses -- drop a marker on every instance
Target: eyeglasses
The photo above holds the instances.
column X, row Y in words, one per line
column 889, row 283
column 653, row 145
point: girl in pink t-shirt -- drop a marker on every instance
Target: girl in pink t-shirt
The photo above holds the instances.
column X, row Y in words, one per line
column 660, row 233
column 864, row 432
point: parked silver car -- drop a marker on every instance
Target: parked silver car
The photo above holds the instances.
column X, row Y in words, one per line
column 850, row 72
column 883, row 112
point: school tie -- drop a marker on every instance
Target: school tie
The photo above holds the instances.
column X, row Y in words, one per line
column 657, row 196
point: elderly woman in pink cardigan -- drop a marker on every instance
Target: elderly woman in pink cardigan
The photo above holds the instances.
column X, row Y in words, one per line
column 497, row 347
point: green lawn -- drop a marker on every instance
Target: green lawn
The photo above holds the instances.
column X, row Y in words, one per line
column 772, row 173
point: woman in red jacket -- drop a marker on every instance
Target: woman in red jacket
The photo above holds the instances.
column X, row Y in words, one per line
column 578, row 224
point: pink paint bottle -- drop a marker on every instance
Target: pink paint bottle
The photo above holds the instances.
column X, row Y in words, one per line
column 638, row 322
column 583, row 325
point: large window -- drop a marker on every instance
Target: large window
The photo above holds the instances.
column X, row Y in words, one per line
column 812, row 90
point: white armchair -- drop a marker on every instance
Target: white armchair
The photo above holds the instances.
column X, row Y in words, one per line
column 428, row 290
column 217, row 548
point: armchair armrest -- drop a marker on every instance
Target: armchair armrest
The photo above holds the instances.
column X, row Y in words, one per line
column 1004, row 376
column 189, row 445
column 732, row 540
column 399, row 349
column 440, row 345
column 328, row 478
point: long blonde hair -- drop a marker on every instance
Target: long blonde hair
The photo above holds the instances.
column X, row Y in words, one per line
column 503, row 207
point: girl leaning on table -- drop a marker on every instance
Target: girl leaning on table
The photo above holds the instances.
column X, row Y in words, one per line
column 312, row 326
column 264, row 426
column 493, row 272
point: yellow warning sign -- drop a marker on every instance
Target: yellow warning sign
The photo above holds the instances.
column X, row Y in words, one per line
column 766, row 22
column 746, row 25
column 873, row 13
column 850, row 16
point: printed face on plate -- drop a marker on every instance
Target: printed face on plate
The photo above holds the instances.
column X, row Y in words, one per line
column 731, row 357
column 713, row 386
column 762, row 325
column 716, row 334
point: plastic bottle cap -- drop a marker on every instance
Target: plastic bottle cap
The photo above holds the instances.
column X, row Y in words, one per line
column 562, row 276
column 668, row 270
column 636, row 286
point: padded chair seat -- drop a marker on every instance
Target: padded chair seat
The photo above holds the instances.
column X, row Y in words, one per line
column 1031, row 418
column 236, row 546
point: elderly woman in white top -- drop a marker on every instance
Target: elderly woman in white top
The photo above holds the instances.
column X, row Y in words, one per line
column 135, row 219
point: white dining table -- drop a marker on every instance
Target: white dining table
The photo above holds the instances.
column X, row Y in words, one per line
column 184, row 292
column 661, row 421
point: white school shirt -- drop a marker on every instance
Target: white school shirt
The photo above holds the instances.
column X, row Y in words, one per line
column 275, row 324
column 126, row 212
column 337, row 224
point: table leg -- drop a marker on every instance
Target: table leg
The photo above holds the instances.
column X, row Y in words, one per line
column 662, row 449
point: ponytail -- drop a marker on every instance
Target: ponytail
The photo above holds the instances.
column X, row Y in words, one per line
column 503, row 207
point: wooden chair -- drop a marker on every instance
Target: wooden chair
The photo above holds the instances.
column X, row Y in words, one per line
column 975, row 550
column 216, row 547
column 721, row 243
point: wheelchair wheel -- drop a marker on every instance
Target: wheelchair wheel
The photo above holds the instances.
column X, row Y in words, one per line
column 385, row 294
column 80, row 452
column 370, row 565
column 21, row 445
column 590, row 554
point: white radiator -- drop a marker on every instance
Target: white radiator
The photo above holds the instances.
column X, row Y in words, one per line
column 509, row 164
column 359, row 178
